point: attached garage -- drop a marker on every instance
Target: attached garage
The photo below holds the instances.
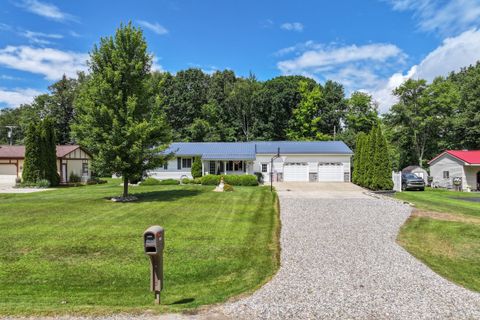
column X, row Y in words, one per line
column 295, row 171
column 330, row 172
column 8, row 173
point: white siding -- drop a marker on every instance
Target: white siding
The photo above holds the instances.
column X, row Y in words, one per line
column 172, row 171
column 471, row 176
column 447, row 163
column 312, row 161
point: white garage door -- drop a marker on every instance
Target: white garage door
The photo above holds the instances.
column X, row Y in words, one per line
column 330, row 172
column 295, row 171
column 8, row 173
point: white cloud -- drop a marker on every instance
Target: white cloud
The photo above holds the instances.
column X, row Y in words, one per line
column 331, row 56
column 292, row 26
column 40, row 37
column 155, row 65
column 47, row 10
column 51, row 63
column 445, row 17
column 453, row 54
column 155, row 27
column 13, row 98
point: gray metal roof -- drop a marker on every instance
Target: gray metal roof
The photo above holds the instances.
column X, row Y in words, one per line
column 249, row 150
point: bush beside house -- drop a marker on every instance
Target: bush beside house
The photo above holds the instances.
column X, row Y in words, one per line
column 197, row 168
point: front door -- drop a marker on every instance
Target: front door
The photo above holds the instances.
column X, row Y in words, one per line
column 478, row 181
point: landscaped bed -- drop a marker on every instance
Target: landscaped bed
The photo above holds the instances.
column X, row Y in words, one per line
column 71, row 250
column 444, row 232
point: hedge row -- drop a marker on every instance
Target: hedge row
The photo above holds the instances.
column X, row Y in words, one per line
column 231, row 179
column 208, row 180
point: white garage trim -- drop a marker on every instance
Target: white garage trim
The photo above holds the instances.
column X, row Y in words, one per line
column 295, row 171
column 330, row 172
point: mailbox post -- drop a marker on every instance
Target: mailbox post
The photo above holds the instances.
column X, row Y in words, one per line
column 153, row 239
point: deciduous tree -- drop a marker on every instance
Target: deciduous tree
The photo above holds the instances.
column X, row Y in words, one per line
column 119, row 119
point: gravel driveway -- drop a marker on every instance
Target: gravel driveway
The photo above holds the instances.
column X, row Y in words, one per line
column 339, row 259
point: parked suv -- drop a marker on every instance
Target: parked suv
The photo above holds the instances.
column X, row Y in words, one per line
column 411, row 181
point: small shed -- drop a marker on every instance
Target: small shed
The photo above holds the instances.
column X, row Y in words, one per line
column 418, row 171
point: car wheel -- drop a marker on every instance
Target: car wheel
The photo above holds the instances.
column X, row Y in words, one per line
column 404, row 187
column 422, row 189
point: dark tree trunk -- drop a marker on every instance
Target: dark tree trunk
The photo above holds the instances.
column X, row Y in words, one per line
column 125, row 187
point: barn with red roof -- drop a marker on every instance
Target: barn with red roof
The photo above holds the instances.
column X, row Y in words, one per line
column 451, row 165
column 71, row 160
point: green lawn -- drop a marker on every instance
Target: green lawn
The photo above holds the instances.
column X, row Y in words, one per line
column 443, row 201
column 449, row 244
column 70, row 250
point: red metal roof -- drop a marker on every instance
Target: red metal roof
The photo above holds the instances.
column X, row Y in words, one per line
column 468, row 156
column 12, row 152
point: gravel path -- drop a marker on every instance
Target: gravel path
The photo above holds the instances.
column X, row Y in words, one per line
column 339, row 260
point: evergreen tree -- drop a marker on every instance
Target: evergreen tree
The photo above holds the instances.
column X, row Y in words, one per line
column 357, row 158
column 49, row 152
column 382, row 168
column 369, row 168
column 197, row 168
column 32, row 165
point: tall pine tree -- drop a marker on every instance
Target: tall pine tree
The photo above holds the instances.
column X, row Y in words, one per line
column 49, row 152
column 32, row 165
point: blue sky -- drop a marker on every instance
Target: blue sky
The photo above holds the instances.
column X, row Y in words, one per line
column 370, row 45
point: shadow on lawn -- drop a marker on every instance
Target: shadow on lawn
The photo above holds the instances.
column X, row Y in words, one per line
column 183, row 301
column 165, row 195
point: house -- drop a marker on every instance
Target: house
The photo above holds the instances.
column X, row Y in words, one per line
column 450, row 164
column 418, row 171
column 298, row 160
column 70, row 159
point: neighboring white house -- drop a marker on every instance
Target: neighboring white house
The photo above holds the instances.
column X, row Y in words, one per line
column 298, row 160
column 70, row 159
column 450, row 164
column 418, row 171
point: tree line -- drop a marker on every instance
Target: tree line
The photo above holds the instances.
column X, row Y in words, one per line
column 196, row 106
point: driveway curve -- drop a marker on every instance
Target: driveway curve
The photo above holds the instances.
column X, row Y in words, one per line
column 339, row 260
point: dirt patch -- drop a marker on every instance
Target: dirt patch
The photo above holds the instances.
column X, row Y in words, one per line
column 445, row 216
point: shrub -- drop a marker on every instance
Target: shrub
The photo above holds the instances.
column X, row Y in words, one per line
column 169, row 182
column 232, row 179
column 259, row 176
column 74, row 178
column 197, row 181
column 187, row 181
column 196, row 168
column 210, row 180
column 247, row 180
column 150, row 182
column 42, row 183
column 96, row 181
column 227, row 188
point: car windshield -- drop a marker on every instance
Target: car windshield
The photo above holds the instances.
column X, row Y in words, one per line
column 411, row 176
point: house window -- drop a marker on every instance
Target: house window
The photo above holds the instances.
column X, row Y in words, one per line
column 186, row 162
column 165, row 165
column 446, row 174
column 234, row 165
column 264, row 167
column 179, row 163
column 85, row 168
